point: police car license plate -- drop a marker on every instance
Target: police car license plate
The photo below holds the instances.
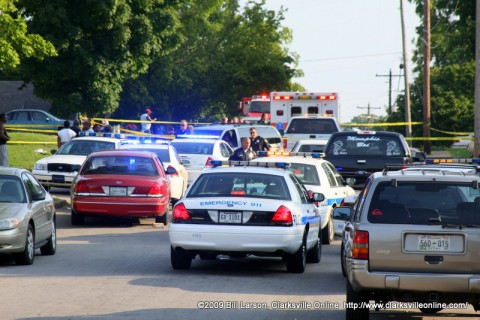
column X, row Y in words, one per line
column 433, row 243
column 230, row 217
column 118, row 191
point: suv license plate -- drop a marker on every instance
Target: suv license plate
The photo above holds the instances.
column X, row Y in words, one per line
column 434, row 243
column 230, row 217
column 58, row 178
column 118, row 191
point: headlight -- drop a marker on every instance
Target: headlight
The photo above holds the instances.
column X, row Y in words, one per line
column 40, row 166
column 12, row 223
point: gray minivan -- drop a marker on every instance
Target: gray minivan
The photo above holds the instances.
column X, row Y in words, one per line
column 233, row 133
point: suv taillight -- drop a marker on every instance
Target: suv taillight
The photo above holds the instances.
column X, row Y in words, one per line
column 180, row 212
column 282, row 216
column 360, row 245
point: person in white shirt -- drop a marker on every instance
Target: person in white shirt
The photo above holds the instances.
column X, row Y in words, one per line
column 65, row 135
column 87, row 126
column 146, row 125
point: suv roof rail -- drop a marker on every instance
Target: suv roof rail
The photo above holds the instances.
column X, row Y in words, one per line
column 278, row 164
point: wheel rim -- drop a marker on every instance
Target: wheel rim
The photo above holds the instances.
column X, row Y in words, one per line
column 54, row 235
column 30, row 244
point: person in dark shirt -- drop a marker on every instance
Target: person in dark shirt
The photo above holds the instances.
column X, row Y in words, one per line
column 263, row 119
column 244, row 153
column 258, row 143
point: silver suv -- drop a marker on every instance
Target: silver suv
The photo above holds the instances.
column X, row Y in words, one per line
column 412, row 241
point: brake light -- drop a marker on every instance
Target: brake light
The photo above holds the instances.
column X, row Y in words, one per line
column 80, row 187
column 283, row 215
column 285, row 141
column 360, row 245
column 155, row 189
column 180, row 212
column 208, row 163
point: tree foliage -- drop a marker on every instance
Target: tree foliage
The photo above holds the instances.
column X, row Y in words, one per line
column 101, row 44
column 224, row 54
column 452, row 71
column 16, row 43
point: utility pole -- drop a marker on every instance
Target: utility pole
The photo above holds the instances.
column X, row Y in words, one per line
column 408, row 116
column 476, row 136
column 368, row 107
column 389, row 75
column 427, row 145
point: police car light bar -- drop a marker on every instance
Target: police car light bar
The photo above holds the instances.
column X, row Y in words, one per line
column 219, row 163
column 197, row 136
column 146, row 140
column 291, row 154
column 99, row 134
column 451, row 160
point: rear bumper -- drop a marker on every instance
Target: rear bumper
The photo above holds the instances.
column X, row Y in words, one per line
column 119, row 207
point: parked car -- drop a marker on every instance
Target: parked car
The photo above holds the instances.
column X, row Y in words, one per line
column 27, row 216
column 412, row 236
column 172, row 163
column 242, row 210
column 233, row 134
column 463, row 142
column 121, row 183
column 310, row 145
column 38, row 119
column 317, row 175
column 60, row 169
column 197, row 154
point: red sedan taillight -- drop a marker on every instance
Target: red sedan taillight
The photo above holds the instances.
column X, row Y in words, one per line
column 80, row 187
column 155, row 190
column 360, row 245
column 180, row 213
column 283, row 216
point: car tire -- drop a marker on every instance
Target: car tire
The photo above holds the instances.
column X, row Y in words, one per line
column 296, row 262
column 180, row 259
column 50, row 247
column 77, row 218
column 356, row 298
column 328, row 233
column 430, row 310
column 343, row 261
column 161, row 219
column 27, row 256
column 314, row 255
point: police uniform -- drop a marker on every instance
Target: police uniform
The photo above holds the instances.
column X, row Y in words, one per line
column 259, row 144
column 241, row 155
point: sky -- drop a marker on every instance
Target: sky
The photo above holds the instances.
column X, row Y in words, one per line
column 349, row 47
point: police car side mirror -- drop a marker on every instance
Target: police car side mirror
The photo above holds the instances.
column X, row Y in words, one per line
column 315, row 197
column 419, row 156
column 350, row 181
column 53, row 151
column 171, row 170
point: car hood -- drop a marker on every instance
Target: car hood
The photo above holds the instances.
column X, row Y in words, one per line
column 64, row 158
column 10, row 210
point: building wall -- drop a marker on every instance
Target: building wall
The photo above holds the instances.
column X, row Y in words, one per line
column 11, row 97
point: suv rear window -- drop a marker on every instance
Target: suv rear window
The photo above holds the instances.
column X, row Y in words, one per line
column 366, row 145
column 312, row 126
column 425, row 203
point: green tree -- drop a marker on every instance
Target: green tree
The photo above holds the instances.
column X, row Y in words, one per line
column 452, row 70
column 16, row 43
column 224, row 55
column 101, row 45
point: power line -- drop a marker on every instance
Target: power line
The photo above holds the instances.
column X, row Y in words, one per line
column 353, row 57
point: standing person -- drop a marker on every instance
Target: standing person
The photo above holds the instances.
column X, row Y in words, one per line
column 244, row 153
column 183, row 128
column 225, row 120
column 76, row 127
column 87, row 126
column 258, row 143
column 3, row 141
column 146, row 124
column 190, row 129
column 65, row 135
column 263, row 119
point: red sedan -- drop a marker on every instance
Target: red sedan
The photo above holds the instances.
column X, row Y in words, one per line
column 121, row 183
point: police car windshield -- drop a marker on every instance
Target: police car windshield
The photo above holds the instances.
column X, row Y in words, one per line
column 85, row 147
column 240, row 184
column 193, row 147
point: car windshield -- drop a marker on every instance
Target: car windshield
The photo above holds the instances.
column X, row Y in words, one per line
column 366, row 145
column 238, row 184
column 425, row 203
column 124, row 165
column 85, row 147
column 11, row 190
column 312, row 126
column 193, row 147
column 306, row 173
column 259, row 106
column 311, row 148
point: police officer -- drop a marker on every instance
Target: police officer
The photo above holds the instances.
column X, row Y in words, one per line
column 258, row 143
column 244, row 153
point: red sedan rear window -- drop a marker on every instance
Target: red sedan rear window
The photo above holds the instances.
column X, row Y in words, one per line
column 120, row 165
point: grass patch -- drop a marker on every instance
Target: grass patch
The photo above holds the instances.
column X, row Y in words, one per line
column 22, row 146
column 460, row 153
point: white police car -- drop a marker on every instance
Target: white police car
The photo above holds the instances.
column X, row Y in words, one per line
column 62, row 167
column 246, row 209
column 318, row 175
